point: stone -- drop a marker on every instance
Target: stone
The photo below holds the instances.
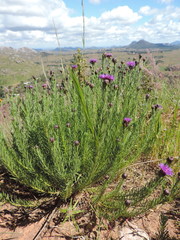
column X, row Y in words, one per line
column 132, row 232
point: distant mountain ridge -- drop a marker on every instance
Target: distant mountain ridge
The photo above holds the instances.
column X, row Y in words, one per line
column 175, row 43
column 142, row 44
column 10, row 50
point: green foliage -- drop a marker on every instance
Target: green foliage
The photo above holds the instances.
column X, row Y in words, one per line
column 2, row 94
column 67, row 138
column 163, row 232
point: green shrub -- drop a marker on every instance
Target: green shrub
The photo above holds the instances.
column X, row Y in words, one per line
column 81, row 135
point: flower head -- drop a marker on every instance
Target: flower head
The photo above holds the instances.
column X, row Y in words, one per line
column 165, row 169
column 74, row 66
column 108, row 55
column 157, row 106
column 93, row 61
column 45, row 85
column 30, row 86
column 126, row 121
column 107, row 77
column 131, row 64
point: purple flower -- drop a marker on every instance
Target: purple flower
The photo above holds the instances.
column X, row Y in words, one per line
column 110, row 78
column 157, row 106
column 108, row 55
column 102, row 76
column 74, row 66
column 165, row 169
column 131, row 64
column 45, row 85
column 30, row 86
column 93, row 61
column 107, row 77
column 126, row 121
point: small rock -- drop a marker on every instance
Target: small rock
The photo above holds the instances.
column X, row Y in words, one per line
column 132, row 232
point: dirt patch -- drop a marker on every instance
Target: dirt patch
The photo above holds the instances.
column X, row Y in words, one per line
column 19, row 223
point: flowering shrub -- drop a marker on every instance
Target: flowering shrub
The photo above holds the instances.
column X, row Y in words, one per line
column 69, row 137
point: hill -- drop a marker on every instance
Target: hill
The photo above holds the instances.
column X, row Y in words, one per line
column 142, row 44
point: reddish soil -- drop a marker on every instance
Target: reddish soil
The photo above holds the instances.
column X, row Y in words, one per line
column 23, row 224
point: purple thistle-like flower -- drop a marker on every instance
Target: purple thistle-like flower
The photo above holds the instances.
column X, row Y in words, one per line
column 74, row 66
column 107, row 77
column 102, row 76
column 108, row 55
column 131, row 64
column 157, row 106
column 93, row 61
column 165, row 169
column 126, row 121
column 45, row 85
column 111, row 78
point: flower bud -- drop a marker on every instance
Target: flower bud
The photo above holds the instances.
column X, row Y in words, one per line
column 124, row 175
column 76, row 143
column 127, row 202
column 68, row 125
column 166, row 192
column 52, row 139
column 170, row 159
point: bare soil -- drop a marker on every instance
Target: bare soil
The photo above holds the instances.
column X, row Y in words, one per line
column 18, row 223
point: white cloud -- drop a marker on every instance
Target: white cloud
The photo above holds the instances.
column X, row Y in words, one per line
column 147, row 10
column 166, row 1
column 36, row 25
column 30, row 23
column 95, row 1
column 163, row 27
column 120, row 14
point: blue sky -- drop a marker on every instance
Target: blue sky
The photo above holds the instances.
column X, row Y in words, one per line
column 30, row 23
column 96, row 7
